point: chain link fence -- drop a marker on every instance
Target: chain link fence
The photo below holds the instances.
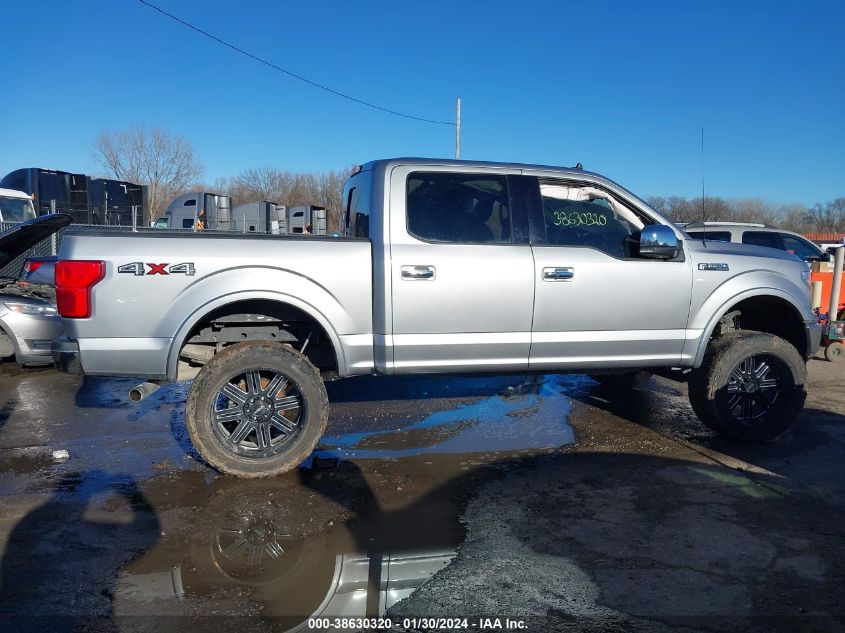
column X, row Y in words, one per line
column 44, row 248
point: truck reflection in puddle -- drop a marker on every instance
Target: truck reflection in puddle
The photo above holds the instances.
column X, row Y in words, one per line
column 373, row 517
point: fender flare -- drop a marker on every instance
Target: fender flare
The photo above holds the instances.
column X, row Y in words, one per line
column 191, row 320
column 728, row 304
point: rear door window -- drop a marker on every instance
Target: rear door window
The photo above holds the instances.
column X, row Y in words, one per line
column 458, row 208
column 762, row 238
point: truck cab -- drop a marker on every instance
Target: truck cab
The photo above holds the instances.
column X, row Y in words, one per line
column 197, row 210
column 15, row 206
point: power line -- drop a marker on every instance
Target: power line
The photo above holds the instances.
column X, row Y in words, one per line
column 287, row 72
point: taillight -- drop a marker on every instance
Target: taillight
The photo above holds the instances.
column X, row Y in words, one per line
column 31, row 267
column 74, row 280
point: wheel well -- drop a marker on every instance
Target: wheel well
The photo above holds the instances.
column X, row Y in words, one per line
column 772, row 315
column 256, row 320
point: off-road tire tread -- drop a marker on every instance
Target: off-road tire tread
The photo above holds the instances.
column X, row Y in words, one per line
column 705, row 381
column 197, row 406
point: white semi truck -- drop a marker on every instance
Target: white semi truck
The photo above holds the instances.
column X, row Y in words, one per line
column 204, row 210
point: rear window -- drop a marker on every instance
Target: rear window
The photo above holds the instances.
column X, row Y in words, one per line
column 356, row 201
column 762, row 238
column 716, row 236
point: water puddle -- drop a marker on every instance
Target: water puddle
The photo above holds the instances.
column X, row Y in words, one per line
column 372, row 516
column 530, row 416
column 345, row 542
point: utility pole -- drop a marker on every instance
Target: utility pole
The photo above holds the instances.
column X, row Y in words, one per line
column 458, row 131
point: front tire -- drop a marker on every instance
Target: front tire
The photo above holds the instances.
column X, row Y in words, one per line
column 257, row 409
column 751, row 386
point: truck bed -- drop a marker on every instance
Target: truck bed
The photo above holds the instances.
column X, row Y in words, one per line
column 159, row 284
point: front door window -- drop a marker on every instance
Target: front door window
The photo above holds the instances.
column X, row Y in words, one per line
column 587, row 216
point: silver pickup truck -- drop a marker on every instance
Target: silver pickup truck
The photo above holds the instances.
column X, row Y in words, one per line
column 443, row 267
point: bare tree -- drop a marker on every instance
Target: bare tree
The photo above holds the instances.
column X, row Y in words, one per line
column 659, row 204
column 752, row 210
column 163, row 161
column 793, row 217
column 828, row 217
column 330, row 185
column 290, row 189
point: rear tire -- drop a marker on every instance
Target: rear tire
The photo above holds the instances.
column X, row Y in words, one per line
column 257, row 409
column 750, row 385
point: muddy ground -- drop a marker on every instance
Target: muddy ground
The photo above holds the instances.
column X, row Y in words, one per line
column 549, row 501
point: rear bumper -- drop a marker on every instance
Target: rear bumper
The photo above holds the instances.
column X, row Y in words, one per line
column 126, row 357
column 65, row 353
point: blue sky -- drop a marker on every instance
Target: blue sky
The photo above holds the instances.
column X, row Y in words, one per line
column 623, row 87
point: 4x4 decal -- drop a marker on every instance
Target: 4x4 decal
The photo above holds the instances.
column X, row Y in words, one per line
column 140, row 268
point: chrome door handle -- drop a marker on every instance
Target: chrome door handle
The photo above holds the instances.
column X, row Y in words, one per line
column 558, row 274
column 417, row 272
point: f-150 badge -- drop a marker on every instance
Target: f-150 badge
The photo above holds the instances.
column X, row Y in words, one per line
column 148, row 268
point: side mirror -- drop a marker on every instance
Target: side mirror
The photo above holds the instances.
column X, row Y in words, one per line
column 824, row 256
column 658, row 241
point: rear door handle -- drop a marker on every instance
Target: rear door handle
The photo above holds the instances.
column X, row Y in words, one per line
column 418, row 272
column 564, row 273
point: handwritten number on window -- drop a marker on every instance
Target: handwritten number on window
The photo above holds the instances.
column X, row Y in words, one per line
column 562, row 218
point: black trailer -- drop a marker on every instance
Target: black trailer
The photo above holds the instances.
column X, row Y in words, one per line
column 86, row 200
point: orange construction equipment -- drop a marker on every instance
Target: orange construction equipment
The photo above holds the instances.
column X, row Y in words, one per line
column 827, row 284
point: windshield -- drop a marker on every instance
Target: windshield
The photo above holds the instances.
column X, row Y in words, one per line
column 16, row 209
column 161, row 223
